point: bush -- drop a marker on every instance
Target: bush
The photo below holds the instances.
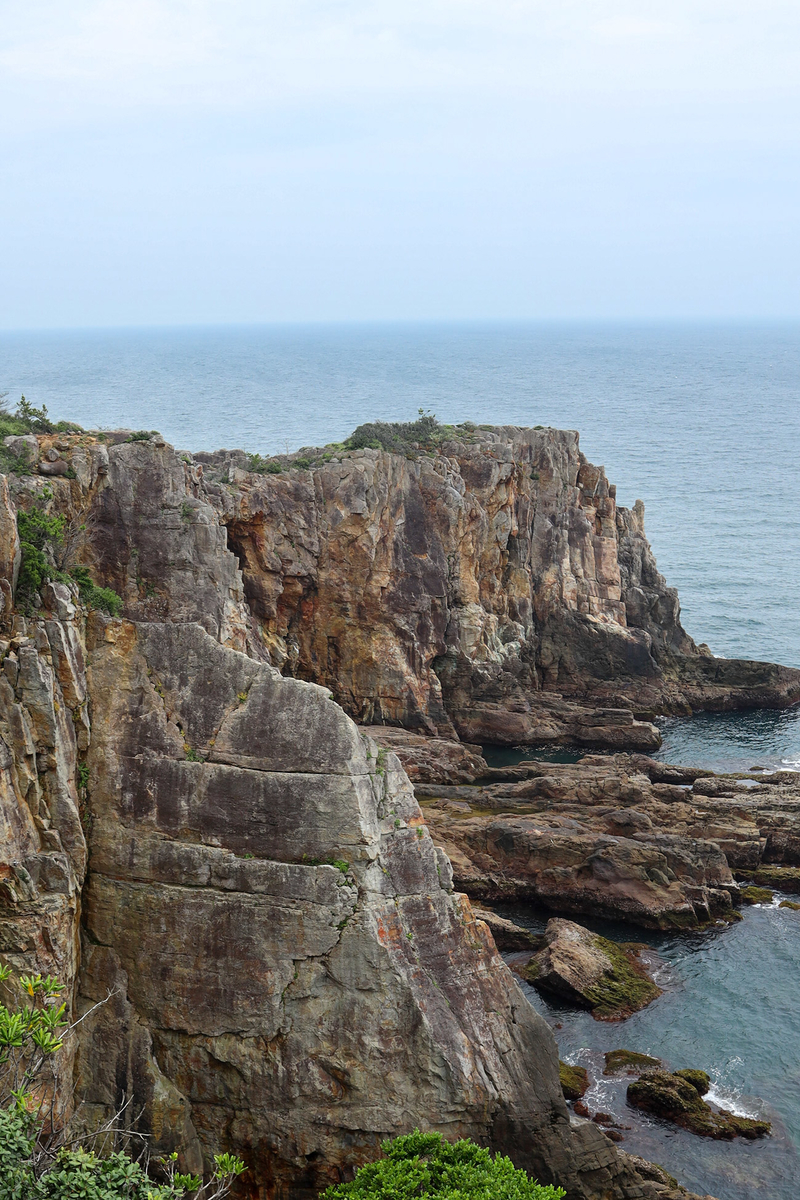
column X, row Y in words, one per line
column 40, row 537
column 93, row 596
column 426, row 1167
column 398, row 437
column 33, row 1165
column 263, row 466
column 37, row 532
column 29, row 419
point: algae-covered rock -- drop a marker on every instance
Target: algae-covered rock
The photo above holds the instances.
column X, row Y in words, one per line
column 678, row 1098
column 698, row 1079
column 789, row 904
column 782, row 879
column 630, row 1061
column 574, row 1080
column 588, row 970
column 756, row 895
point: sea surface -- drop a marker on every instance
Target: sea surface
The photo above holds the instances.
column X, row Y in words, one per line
column 730, row 1007
column 701, row 422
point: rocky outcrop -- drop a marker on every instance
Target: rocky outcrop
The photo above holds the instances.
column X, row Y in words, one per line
column 679, row 1098
column 294, row 962
column 43, row 729
column 491, row 585
column 273, row 959
column 608, row 836
column 587, row 970
column 291, row 975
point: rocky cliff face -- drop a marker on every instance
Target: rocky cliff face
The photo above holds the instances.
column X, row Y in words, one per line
column 291, row 974
column 492, row 587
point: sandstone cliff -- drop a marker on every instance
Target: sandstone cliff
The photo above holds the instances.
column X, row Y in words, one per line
column 292, row 975
column 491, row 587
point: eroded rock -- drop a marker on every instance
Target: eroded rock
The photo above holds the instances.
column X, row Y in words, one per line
column 678, row 1098
column 590, row 971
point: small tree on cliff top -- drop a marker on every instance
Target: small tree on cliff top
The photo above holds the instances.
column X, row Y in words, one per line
column 39, row 1160
column 423, row 1166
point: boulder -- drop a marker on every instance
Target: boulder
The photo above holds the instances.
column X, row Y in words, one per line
column 507, row 934
column 678, row 1098
column 630, row 1061
column 574, row 1080
column 590, row 971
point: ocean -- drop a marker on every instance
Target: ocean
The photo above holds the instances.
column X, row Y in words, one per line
column 702, row 422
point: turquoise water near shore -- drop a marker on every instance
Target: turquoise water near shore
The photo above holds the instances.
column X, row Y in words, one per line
column 730, row 1008
column 702, row 423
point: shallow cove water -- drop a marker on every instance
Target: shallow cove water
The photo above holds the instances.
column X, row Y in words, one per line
column 726, row 1009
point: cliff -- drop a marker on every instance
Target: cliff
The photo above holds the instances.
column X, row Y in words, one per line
column 192, row 822
column 491, row 587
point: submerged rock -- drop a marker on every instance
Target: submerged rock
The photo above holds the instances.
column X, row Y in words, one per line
column 630, row 1061
column 588, row 970
column 678, row 1098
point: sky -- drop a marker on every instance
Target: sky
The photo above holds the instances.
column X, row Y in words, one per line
column 211, row 161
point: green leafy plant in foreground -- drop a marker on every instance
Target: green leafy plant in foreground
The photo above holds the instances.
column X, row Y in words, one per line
column 423, row 1166
column 40, row 1162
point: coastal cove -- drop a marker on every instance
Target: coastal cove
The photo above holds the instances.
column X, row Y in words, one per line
column 725, row 1009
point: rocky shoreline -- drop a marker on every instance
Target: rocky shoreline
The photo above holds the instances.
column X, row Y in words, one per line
column 277, row 895
column 620, row 836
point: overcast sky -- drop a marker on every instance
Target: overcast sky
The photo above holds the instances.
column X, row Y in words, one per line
column 180, row 161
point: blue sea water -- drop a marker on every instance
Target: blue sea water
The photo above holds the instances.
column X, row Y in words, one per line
column 702, row 422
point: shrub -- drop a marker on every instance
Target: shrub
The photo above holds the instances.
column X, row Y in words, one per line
column 38, row 1164
column 37, row 533
column 426, row 1167
column 40, row 537
column 398, row 437
column 142, row 435
column 263, row 466
column 29, row 419
column 93, row 596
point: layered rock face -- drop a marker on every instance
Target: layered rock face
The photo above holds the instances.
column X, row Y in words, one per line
column 491, row 587
column 281, row 965
column 291, row 975
column 264, row 888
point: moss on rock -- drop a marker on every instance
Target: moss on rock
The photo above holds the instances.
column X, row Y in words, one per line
column 574, row 1080
column 698, row 1079
column 628, row 1060
column 625, row 988
column 789, row 904
column 782, row 879
column 756, row 895
column 677, row 1098
column 583, row 968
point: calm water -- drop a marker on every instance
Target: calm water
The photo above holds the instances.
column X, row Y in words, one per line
column 702, row 423
column 722, row 741
column 727, row 1009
